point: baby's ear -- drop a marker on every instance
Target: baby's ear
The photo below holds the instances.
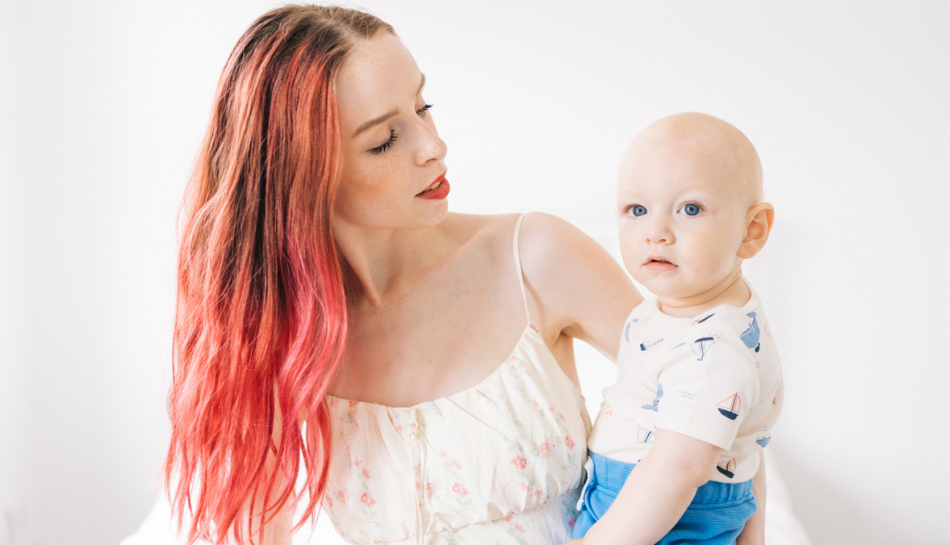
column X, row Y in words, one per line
column 758, row 224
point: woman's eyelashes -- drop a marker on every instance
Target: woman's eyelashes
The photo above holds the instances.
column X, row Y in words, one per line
column 421, row 112
column 385, row 145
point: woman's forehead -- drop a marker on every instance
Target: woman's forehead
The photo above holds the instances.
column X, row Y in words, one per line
column 378, row 76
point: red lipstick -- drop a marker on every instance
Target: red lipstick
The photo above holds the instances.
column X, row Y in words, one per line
column 437, row 190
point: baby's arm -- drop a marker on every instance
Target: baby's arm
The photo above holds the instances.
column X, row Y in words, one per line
column 657, row 492
column 754, row 531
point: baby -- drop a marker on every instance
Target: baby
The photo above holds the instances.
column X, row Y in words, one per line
column 679, row 435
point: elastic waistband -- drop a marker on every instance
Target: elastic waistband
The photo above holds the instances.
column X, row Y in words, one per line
column 609, row 476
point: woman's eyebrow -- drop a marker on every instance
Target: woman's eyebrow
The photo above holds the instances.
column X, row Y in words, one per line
column 377, row 120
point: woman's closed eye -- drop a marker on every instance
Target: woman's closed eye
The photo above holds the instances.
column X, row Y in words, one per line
column 385, row 145
column 421, row 112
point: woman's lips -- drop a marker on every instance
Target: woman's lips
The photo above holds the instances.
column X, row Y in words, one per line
column 438, row 190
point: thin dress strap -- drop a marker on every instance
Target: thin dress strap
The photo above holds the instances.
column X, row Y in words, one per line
column 514, row 245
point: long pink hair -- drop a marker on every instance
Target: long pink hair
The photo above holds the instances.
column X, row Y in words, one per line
column 261, row 312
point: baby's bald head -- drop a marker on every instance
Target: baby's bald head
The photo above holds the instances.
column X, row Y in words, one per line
column 689, row 204
column 716, row 144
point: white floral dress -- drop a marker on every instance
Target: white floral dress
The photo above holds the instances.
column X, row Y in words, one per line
column 497, row 463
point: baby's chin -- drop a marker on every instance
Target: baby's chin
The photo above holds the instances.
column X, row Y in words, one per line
column 671, row 290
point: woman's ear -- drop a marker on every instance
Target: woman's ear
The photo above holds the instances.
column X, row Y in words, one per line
column 758, row 224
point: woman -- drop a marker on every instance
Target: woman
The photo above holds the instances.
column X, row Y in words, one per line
column 329, row 306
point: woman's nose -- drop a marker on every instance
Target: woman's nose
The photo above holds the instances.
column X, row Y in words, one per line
column 431, row 147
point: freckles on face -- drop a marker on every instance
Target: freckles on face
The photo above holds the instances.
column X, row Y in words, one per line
column 391, row 149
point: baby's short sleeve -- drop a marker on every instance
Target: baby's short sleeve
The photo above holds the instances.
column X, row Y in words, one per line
column 709, row 382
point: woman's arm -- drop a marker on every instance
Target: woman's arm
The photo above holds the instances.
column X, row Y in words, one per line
column 581, row 291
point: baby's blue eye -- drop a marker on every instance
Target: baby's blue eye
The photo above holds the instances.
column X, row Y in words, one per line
column 636, row 210
column 691, row 209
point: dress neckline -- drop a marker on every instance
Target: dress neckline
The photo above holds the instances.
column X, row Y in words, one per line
column 529, row 330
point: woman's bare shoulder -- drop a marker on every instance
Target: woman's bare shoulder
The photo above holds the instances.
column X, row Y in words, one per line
column 484, row 231
column 578, row 285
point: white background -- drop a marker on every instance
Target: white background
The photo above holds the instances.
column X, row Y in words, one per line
column 103, row 105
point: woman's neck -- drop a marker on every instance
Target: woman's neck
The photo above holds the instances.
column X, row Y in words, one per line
column 381, row 262
column 731, row 290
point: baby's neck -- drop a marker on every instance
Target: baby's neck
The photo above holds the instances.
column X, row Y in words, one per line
column 730, row 291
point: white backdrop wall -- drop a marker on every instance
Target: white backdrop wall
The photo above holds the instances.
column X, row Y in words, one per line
column 103, row 104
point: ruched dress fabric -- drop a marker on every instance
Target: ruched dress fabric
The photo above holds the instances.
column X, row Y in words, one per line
column 497, row 463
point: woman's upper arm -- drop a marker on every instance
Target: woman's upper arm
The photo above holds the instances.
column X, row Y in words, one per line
column 579, row 288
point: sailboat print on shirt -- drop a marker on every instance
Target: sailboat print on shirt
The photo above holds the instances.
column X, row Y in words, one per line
column 656, row 400
column 701, row 320
column 701, row 347
column 729, row 407
column 728, row 469
column 750, row 337
column 651, row 344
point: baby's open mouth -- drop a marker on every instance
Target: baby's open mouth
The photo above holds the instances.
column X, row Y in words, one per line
column 659, row 262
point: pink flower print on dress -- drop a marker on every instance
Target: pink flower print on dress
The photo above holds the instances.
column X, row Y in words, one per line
column 368, row 499
column 511, row 359
column 519, row 527
column 343, row 496
column 456, row 463
column 365, row 473
column 569, row 442
column 519, row 461
column 443, row 453
column 432, row 488
column 534, row 327
column 460, row 489
column 546, row 449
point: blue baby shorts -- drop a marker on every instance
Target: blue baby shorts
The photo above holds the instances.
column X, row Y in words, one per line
column 716, row 515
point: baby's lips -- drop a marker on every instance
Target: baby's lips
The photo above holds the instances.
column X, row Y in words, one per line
column 656, row 258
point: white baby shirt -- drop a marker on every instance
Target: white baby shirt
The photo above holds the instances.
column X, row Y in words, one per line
column 715, row 377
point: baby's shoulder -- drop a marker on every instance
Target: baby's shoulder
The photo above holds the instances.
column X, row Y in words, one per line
column 736, row 326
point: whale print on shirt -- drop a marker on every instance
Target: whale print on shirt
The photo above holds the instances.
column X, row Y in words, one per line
column 656, row 400
column 750, row 337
